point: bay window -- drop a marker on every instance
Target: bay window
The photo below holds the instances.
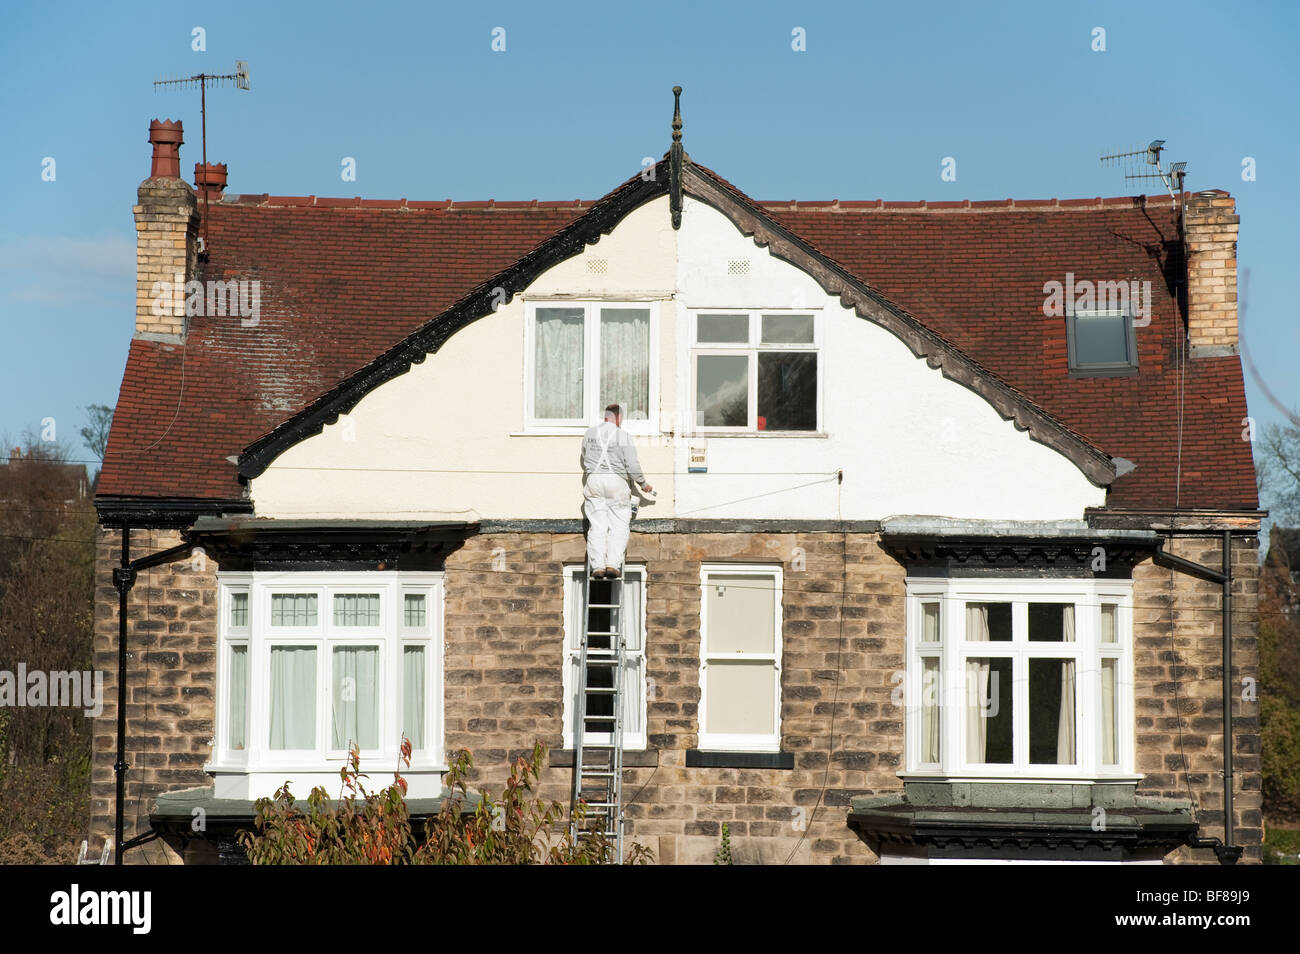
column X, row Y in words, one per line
column 1019, row 678
column 312, row 663
column 584, row 356
column 755, row 372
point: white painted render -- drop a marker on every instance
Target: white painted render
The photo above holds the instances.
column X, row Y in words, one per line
column 446, row 441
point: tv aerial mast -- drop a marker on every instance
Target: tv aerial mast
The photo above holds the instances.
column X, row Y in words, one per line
column 240, row 79
column 1171, row 177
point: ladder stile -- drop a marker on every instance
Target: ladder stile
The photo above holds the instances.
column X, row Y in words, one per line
column 598, row 766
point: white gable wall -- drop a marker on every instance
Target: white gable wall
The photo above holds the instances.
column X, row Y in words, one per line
column 908, row 440
column 446, row 440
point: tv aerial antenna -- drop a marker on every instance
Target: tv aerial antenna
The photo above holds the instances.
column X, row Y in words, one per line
column 1149, row 158
column 240, row 80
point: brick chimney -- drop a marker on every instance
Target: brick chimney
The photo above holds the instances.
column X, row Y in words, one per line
column 166, row 226
column 211, row 178
column 1211, row 236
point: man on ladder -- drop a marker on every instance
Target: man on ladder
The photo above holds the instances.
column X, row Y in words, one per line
column 609, row 462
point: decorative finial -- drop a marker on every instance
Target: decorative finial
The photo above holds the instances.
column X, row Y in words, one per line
column 675, row 156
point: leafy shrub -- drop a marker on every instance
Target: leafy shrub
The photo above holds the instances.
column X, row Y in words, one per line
column 516, row 828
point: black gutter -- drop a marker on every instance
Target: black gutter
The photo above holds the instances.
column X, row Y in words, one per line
column 1227, row 852
column 124, row 577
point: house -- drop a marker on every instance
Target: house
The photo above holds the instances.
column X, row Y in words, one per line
column 936, row 572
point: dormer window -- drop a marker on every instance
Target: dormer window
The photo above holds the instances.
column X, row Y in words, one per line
column 1102, row 342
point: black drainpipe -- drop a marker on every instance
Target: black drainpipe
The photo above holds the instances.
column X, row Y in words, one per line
column 124, row 577
column 1226, row 850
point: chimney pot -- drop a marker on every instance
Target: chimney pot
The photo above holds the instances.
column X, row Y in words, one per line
column 166, row 137
column 210, row 179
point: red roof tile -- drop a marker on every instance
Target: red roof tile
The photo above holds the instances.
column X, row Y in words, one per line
column 344, row 279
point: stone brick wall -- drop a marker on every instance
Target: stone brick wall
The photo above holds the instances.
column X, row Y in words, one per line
column 1178, row 646
column 171, row 671
column 504, row 653
column 503, row 686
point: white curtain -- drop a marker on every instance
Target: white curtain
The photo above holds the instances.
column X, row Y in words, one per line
column 977, row 684
column 356, row 699
column 413, row 695
column 630, row 627
column 293, row 697
column 625, row 361
column 238, row 697
column 1065, row 725
column 930, row 689
column 1108, row 754
column 557, row 393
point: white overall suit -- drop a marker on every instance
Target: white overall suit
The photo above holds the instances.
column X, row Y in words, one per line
column 609, row 461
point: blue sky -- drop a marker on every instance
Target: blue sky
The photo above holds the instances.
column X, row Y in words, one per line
column 415, row 93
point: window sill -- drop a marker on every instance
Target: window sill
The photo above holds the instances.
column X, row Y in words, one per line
column 800, row 435
column 577, row 430
column 984, row 778
column 698, row 758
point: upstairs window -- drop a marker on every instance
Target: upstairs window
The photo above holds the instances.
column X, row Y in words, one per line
column 1101, row 342
column 755, row 372
column 585, row 356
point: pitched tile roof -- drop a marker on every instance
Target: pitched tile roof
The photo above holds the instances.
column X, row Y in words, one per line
column 344, row 279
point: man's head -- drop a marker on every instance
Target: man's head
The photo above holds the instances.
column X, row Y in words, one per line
column 614, row 413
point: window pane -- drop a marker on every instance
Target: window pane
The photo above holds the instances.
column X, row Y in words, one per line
column 1109, row 620
column 238, row 609
column 931, row 694
column 293, row 609
column 722, row 390
column 787, row 391
column 413, row 695
column 356, row 609
column 987, row 622
column 724, row 329
column 625, row 361
column 356, row 696
column 930, row 631
column 1100, row 339
column 741, row 613
column 1109, row 722
column 413, row 609
column 1051, row 711
column 1051, row 622
column 237, row 714
column 787, row 329
column 741, row 698
column 989, row 724
column 293, row 697
column 558, row 363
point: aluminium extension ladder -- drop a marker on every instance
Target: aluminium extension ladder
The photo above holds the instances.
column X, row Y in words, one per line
column 598, row 765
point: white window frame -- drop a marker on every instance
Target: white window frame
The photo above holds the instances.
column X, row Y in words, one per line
column 752, row 348
column 632, row 741
column 1087, row 595
column 391, row 635
column 732, row 742
column 591, row 368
